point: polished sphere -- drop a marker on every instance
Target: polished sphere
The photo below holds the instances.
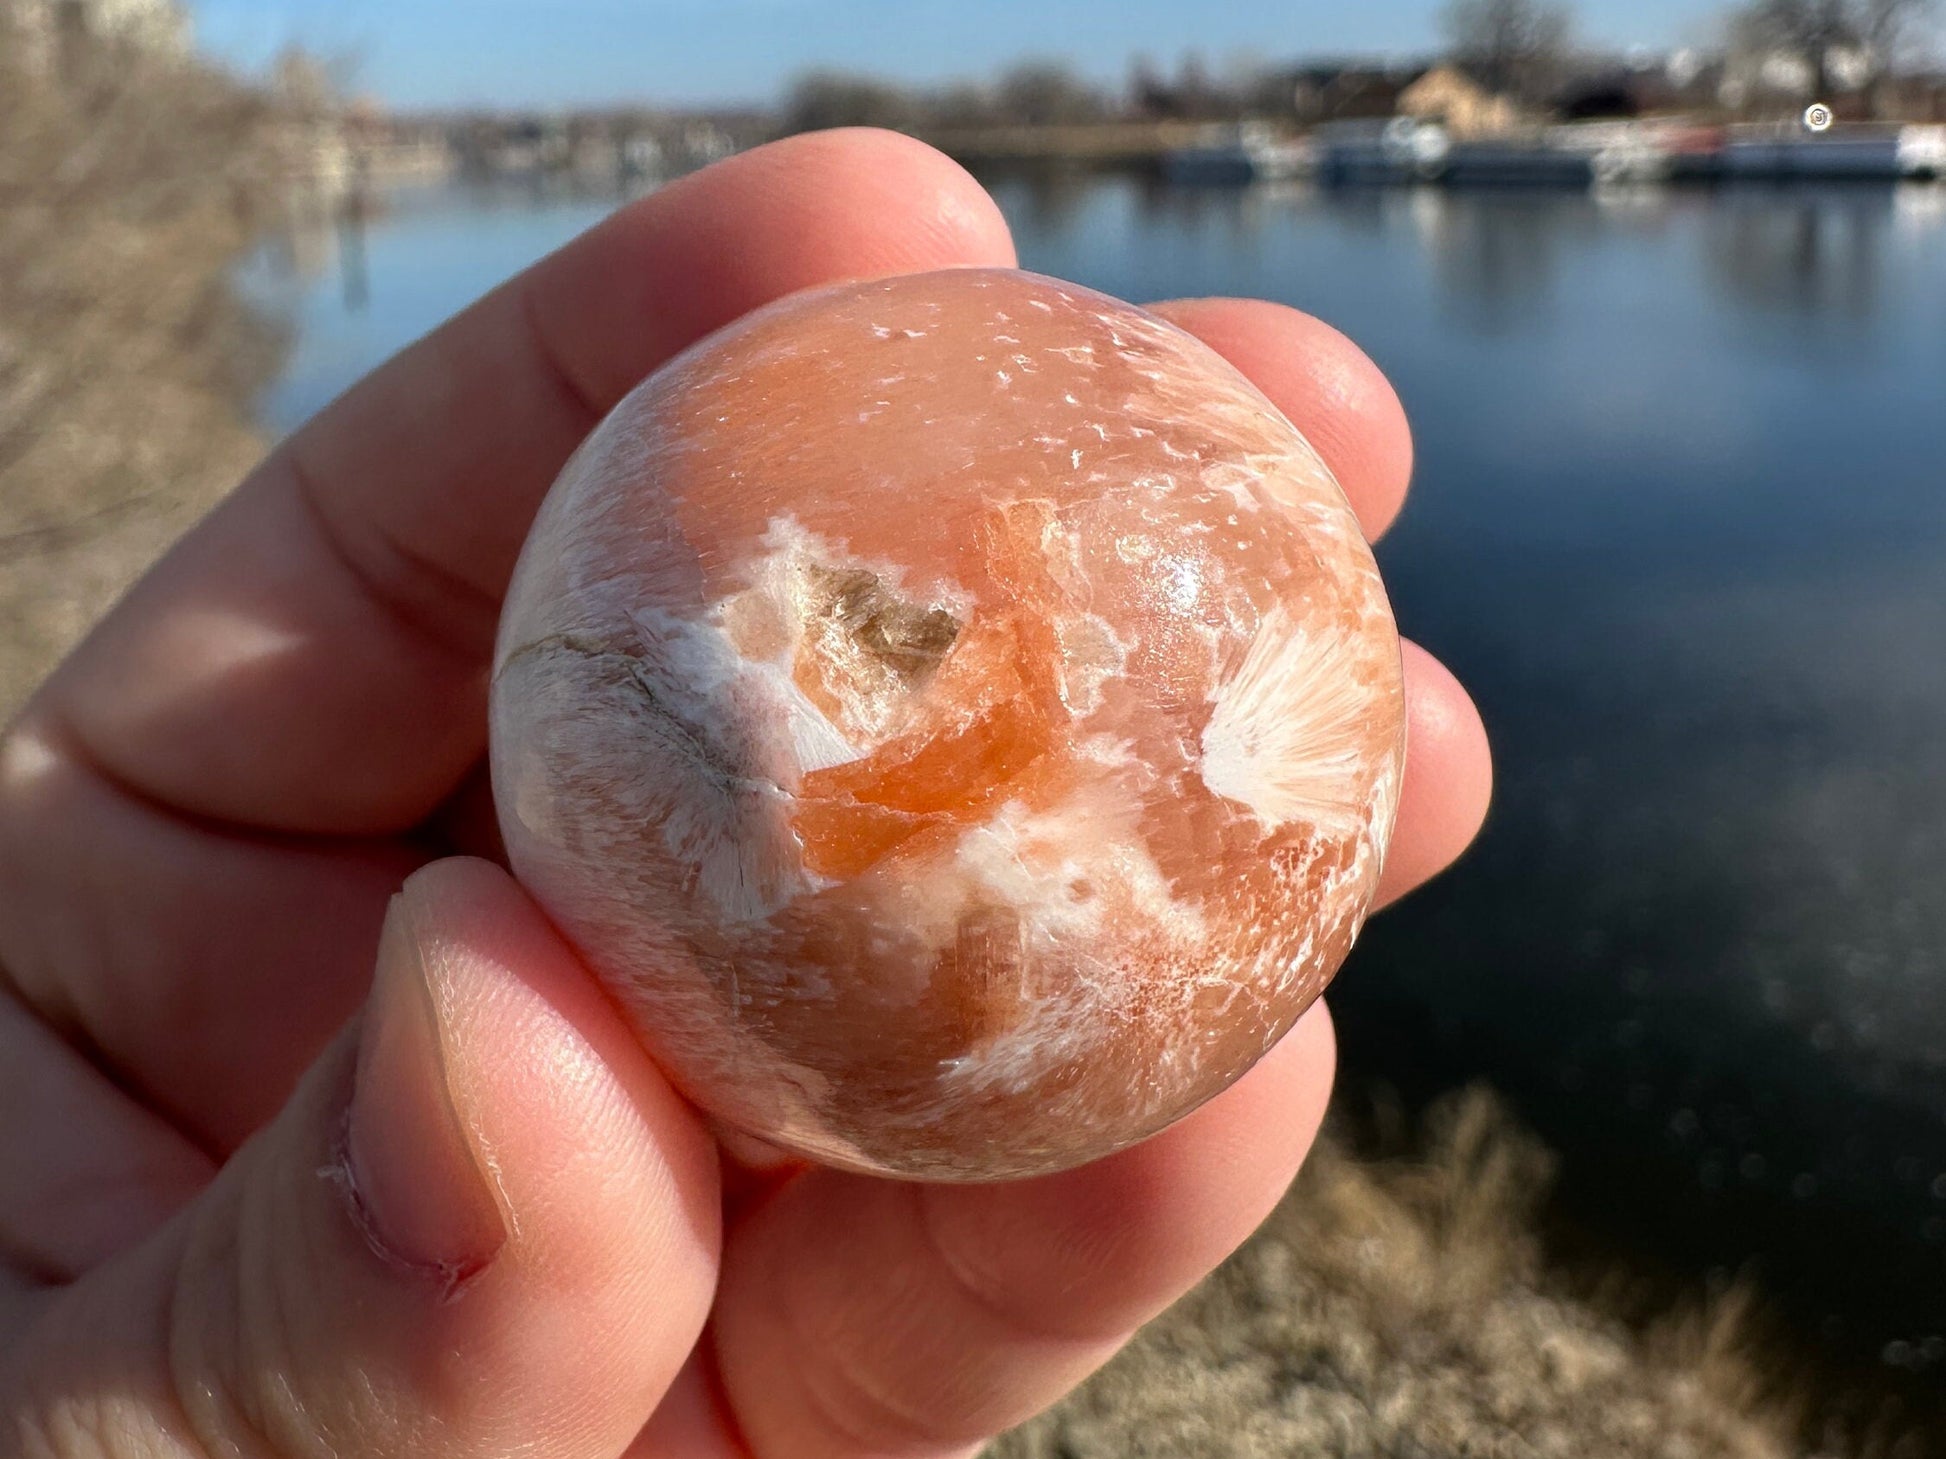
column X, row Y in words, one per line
column 957, row 716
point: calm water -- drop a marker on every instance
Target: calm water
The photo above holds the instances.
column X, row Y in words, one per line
column 1680, row 522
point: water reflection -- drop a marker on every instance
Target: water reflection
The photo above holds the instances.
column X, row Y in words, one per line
column 1820, row 255
column 360, row 285
column 1497, row 266
column 1679, row 522
column 354, row 267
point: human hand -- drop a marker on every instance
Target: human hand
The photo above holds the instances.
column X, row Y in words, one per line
column 255, row 1201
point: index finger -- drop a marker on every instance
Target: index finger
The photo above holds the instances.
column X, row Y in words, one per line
column 313, row 657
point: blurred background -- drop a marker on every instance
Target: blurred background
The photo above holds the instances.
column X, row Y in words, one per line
column 1641, row 1146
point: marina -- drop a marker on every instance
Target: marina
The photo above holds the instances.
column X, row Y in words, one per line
column 1405, row 150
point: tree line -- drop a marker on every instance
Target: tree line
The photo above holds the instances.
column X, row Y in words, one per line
column 1527, row 49
column 1526, row 46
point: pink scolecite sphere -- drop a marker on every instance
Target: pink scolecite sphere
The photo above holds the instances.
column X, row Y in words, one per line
column 957, row 716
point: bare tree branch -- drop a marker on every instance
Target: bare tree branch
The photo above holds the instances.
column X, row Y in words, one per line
column 1517, row 46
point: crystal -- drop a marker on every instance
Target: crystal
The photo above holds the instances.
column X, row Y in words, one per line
column 957, row 716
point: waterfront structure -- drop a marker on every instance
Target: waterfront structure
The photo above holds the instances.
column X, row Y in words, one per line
column 1326, row 91
column 1451, row 96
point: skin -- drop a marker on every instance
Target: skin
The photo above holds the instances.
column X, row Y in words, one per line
column 256, row 1200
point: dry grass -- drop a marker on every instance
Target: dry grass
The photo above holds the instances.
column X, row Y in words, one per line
column 126, row 192
column 1402, row 1308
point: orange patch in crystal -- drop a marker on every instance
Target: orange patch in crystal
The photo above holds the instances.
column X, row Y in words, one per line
column 987, row 715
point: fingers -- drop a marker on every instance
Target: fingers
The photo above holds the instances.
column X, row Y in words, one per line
column 85, row 1171
column 312, row 658
column 484, row 1224
column 1448, row 777
column 863, row 1318
column 201, row 970
column 1325, row 385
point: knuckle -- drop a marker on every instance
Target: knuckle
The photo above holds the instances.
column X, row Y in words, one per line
column 238, row 1327
column 109, row 1416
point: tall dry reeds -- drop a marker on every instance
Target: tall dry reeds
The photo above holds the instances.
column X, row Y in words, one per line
column 128, row 188
column 1401, row 1309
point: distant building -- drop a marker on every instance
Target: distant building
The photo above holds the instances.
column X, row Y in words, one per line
column 1602, row 95
column 40, row 31
column 1450, row 95
column 1915, row 97
column 1352, row 91
column 1637, row 86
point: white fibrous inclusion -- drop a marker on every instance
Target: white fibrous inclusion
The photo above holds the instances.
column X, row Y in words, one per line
column 1288, row 735
column 808, row 667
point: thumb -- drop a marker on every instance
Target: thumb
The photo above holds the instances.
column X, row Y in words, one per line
column 483, row 1225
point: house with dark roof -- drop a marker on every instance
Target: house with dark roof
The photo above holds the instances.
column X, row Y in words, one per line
column 1328, row 91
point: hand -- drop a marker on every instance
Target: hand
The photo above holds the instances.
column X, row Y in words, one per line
column 256, row 1202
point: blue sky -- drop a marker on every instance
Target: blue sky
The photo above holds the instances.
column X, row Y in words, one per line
column 565, row 52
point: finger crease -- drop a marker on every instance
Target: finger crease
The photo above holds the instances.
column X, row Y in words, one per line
column 436, row 605
column 737, row 1439
column 178, row 1390
column 884, row 1426
column 554, row 364
column 842, row 1397
column 978, row 1293
column 66, row 738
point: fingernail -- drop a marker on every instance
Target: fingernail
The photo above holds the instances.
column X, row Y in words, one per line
column 418, row 1178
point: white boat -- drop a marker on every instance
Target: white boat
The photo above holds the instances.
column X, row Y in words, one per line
column 1514, row 163
column 1248, row 152
column 1843, row 152
column 1403, row 149
column 1922, row 151
column 1616, row 153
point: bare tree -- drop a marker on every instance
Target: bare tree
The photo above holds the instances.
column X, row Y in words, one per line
column 1149, row 92
column 824, row 99
column 1808, row 30
column 1047, row 93
column 1813, row 30
column 1516, row 46
column 1890, row 27
column 1198, row 95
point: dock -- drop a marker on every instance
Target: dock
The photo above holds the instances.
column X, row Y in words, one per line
column 1611, row 153
column 1404, row 150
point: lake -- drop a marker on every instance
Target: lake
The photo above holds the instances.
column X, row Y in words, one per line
column 1680, row 523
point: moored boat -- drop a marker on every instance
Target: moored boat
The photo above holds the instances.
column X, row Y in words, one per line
column 1249, row 152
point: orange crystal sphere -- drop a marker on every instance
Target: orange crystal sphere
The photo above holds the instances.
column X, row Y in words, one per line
column 958, row 717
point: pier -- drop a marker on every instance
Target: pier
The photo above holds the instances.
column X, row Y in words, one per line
column 1403, row 150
